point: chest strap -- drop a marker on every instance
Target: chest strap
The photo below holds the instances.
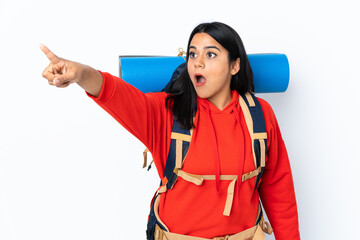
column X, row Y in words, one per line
column 198, row 180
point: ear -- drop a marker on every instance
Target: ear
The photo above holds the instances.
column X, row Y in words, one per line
column 235, row 66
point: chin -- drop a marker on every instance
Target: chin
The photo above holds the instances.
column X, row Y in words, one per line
column 202, row 94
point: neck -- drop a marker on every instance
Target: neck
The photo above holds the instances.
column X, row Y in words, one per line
column 221, row 101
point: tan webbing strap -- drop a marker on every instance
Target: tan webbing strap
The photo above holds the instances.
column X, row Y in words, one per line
column 251, row 174
column 178, row 160
column 249, row 124
column 262, row 135
column 245, row 176
column 145, row 157
column 159, row 233
column 195, row 179
column 259, row 234
column 180, row 136
column 179, row 146
column 229, row 198
column 222, row 177
column 250, row 99
column 175, row 236
column 162, row 189
column 262, row 152
column 156, row 211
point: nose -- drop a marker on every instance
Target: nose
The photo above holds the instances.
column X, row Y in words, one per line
column 199, row 62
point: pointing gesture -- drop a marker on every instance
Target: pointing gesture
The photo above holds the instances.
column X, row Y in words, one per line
column 49, row 54
column 61, row 73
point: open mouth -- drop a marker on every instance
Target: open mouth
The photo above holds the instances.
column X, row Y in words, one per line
column 200, row 79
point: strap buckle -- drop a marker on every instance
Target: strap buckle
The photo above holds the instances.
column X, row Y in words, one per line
column 182, row 53
column 221, row 238
column 265, row 226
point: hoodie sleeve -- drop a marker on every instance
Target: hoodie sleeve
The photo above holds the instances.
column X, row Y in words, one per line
column 277, row 188
column 143, row 115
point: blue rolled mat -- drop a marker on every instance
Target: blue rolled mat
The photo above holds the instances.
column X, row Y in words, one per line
column 152, row 73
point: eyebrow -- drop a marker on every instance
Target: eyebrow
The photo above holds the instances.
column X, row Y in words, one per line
column 207, row 47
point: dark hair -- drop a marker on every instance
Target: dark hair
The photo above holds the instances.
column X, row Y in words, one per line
column 182, row 95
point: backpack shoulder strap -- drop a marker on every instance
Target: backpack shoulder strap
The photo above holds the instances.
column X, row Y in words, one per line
column 179, row 146
column 255, row 122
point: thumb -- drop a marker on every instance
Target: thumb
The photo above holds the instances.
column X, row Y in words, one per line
column 56, row 81
column 61, row 80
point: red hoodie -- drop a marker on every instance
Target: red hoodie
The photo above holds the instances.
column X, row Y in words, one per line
column 220, row 144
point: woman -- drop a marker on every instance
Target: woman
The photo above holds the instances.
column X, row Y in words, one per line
column 205, row 98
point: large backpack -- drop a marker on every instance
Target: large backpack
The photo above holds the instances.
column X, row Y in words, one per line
column 180, row 142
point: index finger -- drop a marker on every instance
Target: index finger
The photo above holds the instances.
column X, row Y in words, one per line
column 49, row 54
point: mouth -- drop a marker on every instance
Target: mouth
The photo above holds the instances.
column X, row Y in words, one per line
column 200, row 79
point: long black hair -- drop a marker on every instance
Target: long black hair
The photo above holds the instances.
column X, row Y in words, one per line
column 182, row 95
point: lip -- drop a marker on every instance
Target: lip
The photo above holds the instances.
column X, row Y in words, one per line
column 196, row 83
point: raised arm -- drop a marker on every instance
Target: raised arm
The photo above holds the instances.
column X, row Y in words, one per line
column 143, row 115
column 61, row 73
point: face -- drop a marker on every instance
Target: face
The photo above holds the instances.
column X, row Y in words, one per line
column 210, row 70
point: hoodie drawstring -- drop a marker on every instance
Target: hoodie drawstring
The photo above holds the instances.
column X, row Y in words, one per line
column 216, row 150
column 242, row 149
column 216, row 153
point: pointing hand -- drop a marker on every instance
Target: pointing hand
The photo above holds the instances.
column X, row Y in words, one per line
column 61, row 72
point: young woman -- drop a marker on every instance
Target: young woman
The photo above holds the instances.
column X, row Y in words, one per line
column 205, row 98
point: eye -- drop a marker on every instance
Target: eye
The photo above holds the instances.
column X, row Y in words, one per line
column 192, row 54
column 211, row 55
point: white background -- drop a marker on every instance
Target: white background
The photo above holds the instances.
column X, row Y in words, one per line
column 70, row 171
